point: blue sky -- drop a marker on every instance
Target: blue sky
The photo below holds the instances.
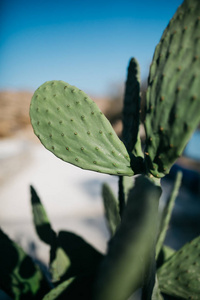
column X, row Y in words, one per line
column 85, row 43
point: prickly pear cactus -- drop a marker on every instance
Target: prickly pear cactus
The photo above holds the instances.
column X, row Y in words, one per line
column 71, row 126
column 173, row 102
column 57, row 291
column 126, row 266
column 179, row 276
column 131, row 110
column 111, row 208
column 166, row 214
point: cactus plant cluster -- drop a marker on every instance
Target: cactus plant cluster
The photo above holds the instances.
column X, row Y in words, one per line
column 70, row 125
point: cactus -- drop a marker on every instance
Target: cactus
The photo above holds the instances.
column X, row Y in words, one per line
column 125, row 267
column 131, row 110
column 167, row 213
column 20, row 277
column 70, row 255
column 111, row 209
column 173, row 103
column 179, row 275
column 41, row 220
column 74, row 288
column 70, row 125
column 57, row 292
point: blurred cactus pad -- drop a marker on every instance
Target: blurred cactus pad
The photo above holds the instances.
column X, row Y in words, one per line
column 71, row 126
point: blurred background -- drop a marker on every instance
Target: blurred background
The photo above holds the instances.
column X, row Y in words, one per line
column 87, row 44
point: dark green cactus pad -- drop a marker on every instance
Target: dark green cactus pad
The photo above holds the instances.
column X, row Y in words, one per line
column 71, row 126
column 131, row 250
column 111, row 207
column 41, row 220
column 166, row 215
column 20, row 278
column 180, row 275
column 72, row 257
column 80, row 287
column 173, row 101
column 57, row 292
column 131, row 110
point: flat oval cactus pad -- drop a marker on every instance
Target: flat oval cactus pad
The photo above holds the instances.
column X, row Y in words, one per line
column 71, row 126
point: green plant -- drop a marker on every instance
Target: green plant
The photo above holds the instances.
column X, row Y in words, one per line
column 70, row 125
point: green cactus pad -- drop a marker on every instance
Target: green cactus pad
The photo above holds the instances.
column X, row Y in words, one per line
column 127, row 264
column 173, row 101
column 180, row 275
column 72, row 256
column 131, row 110
column 57, row 292
column 111, row 208
column 72, row 289
column 41, row 220
column 20, row 277
column 167, row 211
column 71, row 126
